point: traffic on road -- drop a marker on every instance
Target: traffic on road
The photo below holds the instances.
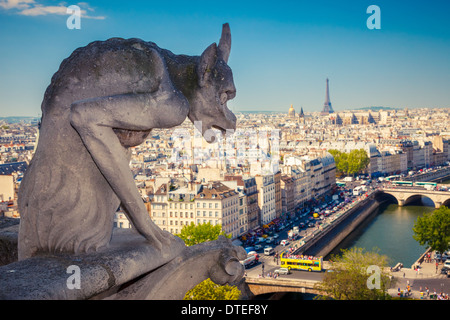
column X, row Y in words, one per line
column 265, row 246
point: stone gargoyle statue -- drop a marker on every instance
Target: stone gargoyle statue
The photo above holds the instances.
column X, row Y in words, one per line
column 105, row 98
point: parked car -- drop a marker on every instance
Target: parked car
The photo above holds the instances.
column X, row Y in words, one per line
column 282, row 271
column 258, row 247
column 447, row 264
column 284, row 242
column 269, row 251
column 444, row 270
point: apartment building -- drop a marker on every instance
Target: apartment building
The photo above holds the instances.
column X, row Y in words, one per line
column 181, row 206
column 159, row 206
column 243, row 214
column 329, row 173
column 219, row 205
column 278, row 203
column 266, row 197
column 287, row 196
column 250, row 189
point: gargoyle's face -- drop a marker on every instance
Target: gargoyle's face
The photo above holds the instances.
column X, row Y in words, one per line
column 215, row 88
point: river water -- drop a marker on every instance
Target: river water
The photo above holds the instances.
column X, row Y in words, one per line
column 390, row 232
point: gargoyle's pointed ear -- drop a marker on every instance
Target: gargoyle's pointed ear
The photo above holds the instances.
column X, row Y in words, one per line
column 225, row 43
column 207, row 61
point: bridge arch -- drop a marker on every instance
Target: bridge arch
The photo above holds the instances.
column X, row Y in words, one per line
column 404, row 199
column 412, row 199
column 263, row 286
column 382, row 196
column 409, row 196
column 446, row 203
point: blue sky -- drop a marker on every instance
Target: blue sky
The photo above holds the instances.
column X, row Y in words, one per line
column 282, row 51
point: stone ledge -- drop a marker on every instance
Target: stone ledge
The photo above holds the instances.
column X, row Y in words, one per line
column 128, row 269
column 45, row 277
column 9, row 229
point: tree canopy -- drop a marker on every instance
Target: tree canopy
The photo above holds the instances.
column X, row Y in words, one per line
column 433, row 229
column 194, row 234
column 207, row 290
column 350, row 163
column 356, row 275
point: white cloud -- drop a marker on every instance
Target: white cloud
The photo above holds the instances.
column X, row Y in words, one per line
column 32, row 8
column 15, row 4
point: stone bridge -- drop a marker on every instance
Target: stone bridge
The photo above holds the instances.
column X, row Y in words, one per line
column 405, row 196
column 259, row 286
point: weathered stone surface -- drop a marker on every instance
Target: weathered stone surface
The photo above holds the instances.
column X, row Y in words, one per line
column 9, row 229
column 218, row 260
column 105, row 98
column 45, row 277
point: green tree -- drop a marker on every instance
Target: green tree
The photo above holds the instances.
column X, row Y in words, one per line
column 356, row 275
column 433, row 229
column 208, row 290
column 194, row 234
column 350, row 163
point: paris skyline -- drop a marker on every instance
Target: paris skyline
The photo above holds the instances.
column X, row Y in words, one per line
column 281, row 54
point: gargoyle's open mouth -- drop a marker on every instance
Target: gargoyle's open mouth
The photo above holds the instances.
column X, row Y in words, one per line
column 222, row 130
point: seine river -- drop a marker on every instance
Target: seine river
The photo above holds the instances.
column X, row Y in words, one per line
column 390, row 232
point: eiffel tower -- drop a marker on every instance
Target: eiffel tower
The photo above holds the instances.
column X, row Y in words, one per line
column 327, row 109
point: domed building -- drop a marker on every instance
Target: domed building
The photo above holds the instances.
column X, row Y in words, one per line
column 291, row 112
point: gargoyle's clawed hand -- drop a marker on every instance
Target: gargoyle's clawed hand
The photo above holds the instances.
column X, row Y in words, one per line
column 161, row 239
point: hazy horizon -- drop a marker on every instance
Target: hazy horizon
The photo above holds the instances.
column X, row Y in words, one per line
column 281, row 53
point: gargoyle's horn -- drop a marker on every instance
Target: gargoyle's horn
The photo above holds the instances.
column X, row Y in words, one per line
column 225, row 43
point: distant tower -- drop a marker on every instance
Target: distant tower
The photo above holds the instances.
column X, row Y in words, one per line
column 327, row 109
column 291, row 113
column 301, row 116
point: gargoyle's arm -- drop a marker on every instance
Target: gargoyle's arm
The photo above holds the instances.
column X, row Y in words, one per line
column 94, row 120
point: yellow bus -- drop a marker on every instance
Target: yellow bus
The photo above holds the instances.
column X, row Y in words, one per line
column 301, row 262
